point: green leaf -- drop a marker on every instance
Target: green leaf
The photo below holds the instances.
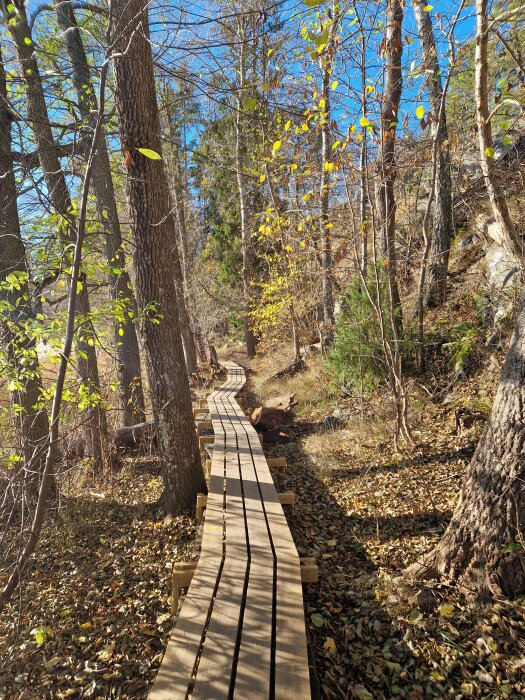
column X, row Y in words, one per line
column 249, row 103
column 420, row 112
column 314, row 3
column 317, row 619
column 489, row 152
column 152, row 155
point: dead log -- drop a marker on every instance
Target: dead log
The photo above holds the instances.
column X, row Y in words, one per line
column 298, row 365
column 266, row 418
column 134, row 437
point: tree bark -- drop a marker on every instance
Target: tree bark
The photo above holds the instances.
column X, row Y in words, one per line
column 249, row 337
column 132, row 407
column 510, row 239
column 181, row 278
column 388, row 167
column 49, row 157
column 154, row 235
column 483, row 546
column 443, row 221
column 31, row 421
column 326, row 237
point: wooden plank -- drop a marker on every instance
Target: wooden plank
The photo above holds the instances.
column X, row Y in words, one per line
column 236, row 658
column 254, row 668
column 291, row 657
column 177, row 666
column 218, row 653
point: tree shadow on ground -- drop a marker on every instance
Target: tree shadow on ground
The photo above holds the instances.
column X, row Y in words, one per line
column 359, row 649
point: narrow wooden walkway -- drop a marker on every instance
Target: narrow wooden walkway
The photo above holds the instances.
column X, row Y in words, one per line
column 241, row 629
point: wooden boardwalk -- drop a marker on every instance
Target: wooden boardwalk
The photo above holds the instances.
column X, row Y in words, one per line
column 241, row 629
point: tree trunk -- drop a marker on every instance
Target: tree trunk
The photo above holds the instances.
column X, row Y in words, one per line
column 48, row 155
column 326, row 237
column 31, row 422
column 443, row 223
column 363, row 158
column 510, row 239
column 154, row 234
column 181, row 278
column 483, row 547
column 388, row 167
column 132, row 407
column 249, row 337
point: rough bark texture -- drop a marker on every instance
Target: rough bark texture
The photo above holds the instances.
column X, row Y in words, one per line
column 510, row 239
column 388, row 167
column 443, row 222
column 177, row 191
column 249, row 337
column 326, row 238
column 49, row 158
column 154, row 234
column 31, row 423
column 483, row 546
column 132, row 408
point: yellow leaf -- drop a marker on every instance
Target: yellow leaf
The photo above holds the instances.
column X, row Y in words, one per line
column 287, row 125
column 330, row 646
column 107, row 652
column 262, row 178
column 364, row 121
column 446, row 610
column 276, row 146
column 149, row 153
column 420, row 112
column 335, row 84
column 329, row 167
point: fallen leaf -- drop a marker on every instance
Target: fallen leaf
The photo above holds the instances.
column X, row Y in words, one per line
column 446, row 610
column 330, row 646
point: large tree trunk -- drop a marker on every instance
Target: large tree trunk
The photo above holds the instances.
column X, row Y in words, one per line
column 443, row 223
column 388, row 167
column 132, row 408
column 23, row 368
column 48, row 155
column 154, row 234
column 510, row 238
column 249, row 337
column 483, row 546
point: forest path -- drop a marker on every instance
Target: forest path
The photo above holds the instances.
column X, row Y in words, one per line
column 241, row 629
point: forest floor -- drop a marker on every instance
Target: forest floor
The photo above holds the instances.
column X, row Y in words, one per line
column 93, row 617
column 365, row 512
